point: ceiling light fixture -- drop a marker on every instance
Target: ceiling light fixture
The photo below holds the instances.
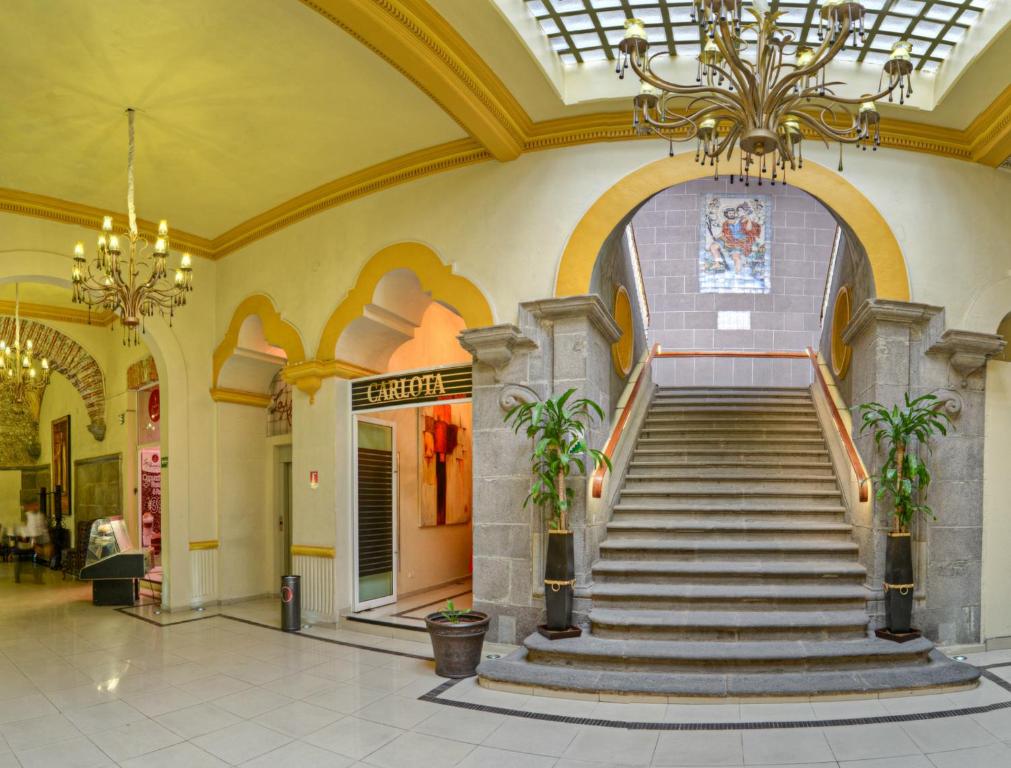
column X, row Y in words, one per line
column 110, row 283
column 18, row 373
column 760, row 95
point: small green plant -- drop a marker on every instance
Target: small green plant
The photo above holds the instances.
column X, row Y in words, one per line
column 451, row 613
column 904, row 476
column 558, row 428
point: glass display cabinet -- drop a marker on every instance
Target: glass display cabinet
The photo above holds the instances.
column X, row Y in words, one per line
column 113, row 564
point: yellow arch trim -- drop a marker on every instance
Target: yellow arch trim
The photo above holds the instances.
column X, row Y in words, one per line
column 277, row 332
column 435, row 277
column 891, row 280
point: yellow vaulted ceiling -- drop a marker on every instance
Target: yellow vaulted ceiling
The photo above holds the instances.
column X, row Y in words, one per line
column 242, row 104
column 255, row 114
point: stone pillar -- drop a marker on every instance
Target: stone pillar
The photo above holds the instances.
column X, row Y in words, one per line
column 901, row 347
column 558, row 344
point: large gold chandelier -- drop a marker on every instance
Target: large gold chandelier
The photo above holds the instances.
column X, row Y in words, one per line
column 18, row 374
column 761, row 95
column 116, row 284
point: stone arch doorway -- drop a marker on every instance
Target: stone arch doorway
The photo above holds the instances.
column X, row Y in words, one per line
column 838, row 195
column 28, row 265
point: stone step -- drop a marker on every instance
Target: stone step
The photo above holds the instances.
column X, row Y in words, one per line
column 733, row 391
column 633, row 526
column 761, row 656
column 724, row 547
column 654, row 493
column 729, row 425
column 939, row 673
column 726, row 476
column 798, row 403
column 737, row 432
column 755, row 486
column 728, row 626
column 761, row 463
column 688, row 596
column 684, row 455
column 732, row 395
column 806, row 417
column 732, row 442
column 729, row 571
column 741, row 509
column 710, row 410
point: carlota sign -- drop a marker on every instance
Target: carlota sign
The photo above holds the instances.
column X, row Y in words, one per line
column 411, row 388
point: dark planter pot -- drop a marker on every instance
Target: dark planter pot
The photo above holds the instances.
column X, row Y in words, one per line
column 457, row 646
column 559, row 577
column 899, row 582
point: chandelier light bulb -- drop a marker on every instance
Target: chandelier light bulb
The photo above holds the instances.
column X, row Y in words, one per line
column 79, row 251
column 163, row 228
column 114, row 244
column 186, row 261
column 805, row 56
column 159, row 246
column 107, row 224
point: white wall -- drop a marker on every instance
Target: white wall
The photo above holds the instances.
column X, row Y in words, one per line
column 996, row 620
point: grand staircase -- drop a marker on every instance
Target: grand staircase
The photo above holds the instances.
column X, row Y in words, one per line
column 728, row 568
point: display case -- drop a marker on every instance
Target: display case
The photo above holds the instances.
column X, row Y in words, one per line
column 112, row 563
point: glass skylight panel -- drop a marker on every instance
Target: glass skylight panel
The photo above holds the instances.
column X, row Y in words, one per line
column 575, row 28
column 578, row 23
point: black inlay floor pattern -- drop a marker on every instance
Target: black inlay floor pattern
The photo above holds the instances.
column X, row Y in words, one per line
column 436, row 696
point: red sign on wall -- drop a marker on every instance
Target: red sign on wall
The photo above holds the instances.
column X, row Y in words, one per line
column 154, row 405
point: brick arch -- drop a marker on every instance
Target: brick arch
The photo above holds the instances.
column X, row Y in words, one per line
column 69, row 359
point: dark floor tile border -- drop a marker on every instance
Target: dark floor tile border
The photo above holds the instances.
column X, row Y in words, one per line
column 125, row 610
column 434, row 696
column 385, row 623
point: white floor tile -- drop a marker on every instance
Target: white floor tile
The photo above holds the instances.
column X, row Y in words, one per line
column 419, row 751
column 38, row 731
column 781, row 747
column 353, row 737
column 612, row 745
column 863, row 742
column 699, row 748
column 947, row 734
column 197, row 720
column 100, row 717
column 993, row 756
column 134, row 739
column 241, row 742
column 483, row 757
column 533, row 736
column 299, row 754
column 182, row 755
column 297, row 719
column 460, row 724
column 72, row 753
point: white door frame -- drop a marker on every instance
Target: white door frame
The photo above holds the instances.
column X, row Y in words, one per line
column 394, row 540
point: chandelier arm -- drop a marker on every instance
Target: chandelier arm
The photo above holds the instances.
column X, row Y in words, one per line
column 846, row 100
column 825, row 131
column 728, row 140
column 678, row 89
column 680, row 121
column 822, row 57
column 743, row 75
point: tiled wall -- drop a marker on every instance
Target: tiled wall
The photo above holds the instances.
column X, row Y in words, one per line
column 667, row 230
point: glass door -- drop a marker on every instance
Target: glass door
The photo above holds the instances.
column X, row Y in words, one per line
column 375, row 513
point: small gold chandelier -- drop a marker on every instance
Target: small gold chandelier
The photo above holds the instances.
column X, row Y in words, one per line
column 18, row 374
column 110, row 283
column 760, row 96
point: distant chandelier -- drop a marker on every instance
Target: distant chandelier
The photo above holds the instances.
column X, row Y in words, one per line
column 19, row 376
column 760, row 95
column 110, row 283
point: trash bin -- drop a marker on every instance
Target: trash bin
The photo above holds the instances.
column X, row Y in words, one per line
column 291, row 603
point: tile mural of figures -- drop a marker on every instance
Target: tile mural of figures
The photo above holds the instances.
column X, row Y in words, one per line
column 734, row 255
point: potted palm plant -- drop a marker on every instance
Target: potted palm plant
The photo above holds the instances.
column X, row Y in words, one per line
column 904, row 477
column 457, row 639
column 557, row 427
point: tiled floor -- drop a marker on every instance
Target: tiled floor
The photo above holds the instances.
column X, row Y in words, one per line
column 82, row 687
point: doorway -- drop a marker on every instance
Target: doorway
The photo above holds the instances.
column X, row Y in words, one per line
column 375, row 516
column 283, row 507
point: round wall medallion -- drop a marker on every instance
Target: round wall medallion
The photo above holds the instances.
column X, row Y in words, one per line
column 621, row 350
column 841, row 352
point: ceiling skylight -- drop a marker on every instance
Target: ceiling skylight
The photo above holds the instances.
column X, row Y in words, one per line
column 589, row 30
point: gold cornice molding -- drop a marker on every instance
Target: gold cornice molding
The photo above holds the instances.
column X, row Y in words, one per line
column 992, row 129
column 239, row 397
column 306, row 550
column 424, row 162
column 68, row 212
column 308, row 375
column 413, row 38
column 206, row 544
column 103, row 318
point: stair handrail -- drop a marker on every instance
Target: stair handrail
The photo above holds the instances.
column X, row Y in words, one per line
column 597, row 479
column 863, row 481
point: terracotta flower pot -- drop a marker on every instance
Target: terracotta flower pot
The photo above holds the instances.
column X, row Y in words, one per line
column 457, row 645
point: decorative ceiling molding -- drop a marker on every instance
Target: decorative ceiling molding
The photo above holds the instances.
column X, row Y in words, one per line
column 442, row 157
column 62, row 314
column 992, row 128
column 239, row 397
column 67, row 212
column 412, row 37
